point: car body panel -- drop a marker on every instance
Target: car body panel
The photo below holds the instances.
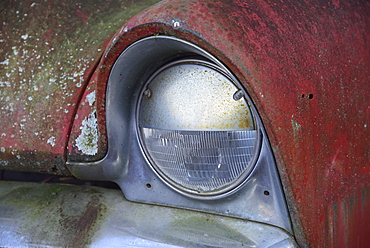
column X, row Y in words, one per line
column 305, row 65
column 49, row 51
column 56, row 215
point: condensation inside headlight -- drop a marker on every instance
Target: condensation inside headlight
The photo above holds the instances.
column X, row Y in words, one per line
column 196, row 128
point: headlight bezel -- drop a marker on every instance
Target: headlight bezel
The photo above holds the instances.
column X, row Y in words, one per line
column 260, row 198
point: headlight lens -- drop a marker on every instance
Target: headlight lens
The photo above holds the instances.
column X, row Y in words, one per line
column 196, row 128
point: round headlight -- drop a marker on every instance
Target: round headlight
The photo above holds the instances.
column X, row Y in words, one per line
column 196, row 128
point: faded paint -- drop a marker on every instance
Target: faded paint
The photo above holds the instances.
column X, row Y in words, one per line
column 306, row 59
column 48, row 53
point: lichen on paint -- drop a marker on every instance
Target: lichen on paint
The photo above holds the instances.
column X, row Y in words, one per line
column 51, row 141
column 87, row 141
column 45, row 65
column 4, row 162
column 5, row 62
column 90, row 98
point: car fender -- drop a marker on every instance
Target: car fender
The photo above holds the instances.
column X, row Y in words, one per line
column 305, row 67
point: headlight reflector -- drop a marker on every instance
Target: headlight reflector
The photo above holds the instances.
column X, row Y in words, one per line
column 196, row 128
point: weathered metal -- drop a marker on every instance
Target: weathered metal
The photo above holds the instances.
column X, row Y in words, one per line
column 54, row 215
column 49, row 51
column 127, row 165
column 305, row 65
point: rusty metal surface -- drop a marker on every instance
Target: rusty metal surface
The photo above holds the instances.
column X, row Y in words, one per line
column 305, row 65
column 48, row 53
column 55, row 215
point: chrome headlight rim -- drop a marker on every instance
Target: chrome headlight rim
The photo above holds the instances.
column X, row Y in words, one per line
column 204, row 59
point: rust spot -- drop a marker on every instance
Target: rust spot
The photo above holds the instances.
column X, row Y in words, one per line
column 245, row 125
column 81, row 223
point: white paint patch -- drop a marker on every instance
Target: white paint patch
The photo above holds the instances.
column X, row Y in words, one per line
column 90, row 98
column 87, row 141
column 51, row 141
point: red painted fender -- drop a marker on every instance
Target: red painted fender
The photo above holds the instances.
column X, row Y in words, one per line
column 305, row 64
column 48, row 53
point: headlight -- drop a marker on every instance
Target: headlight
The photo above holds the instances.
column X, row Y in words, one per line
column 183, row 132
column 196, row 128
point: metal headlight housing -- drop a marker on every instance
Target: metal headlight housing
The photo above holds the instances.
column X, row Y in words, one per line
column 196, row 128
column 183, row 132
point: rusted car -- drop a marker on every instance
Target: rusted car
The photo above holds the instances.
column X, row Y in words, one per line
column 224, row 123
